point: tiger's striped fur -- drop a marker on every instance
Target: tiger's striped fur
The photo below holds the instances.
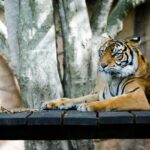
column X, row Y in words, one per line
column 123, row 80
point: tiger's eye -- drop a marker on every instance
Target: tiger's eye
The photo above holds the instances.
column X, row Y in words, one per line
column 101, row 52
column 119, row 56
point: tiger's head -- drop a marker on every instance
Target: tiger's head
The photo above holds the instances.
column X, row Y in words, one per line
column 119, row 57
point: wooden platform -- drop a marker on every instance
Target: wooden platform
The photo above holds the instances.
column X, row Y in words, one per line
column 60, row 125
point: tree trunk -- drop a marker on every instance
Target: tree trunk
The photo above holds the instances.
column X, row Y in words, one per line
column 33, row 53
column 39, row 77
column 99, row 18
column 76, row 36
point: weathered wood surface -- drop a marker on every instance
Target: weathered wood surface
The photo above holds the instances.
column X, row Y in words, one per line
column 57, row 124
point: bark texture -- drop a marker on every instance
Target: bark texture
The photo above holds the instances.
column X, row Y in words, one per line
column 77, row 37
column 32, row 46
column 39, row 77
column 99, row 18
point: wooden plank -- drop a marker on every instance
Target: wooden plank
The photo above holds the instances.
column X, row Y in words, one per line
column 115, row 125
column 57, row 125
column 79, row 125
column 11, row 119
column 142, row 123
column 115, row 118
column 142, row 117
column 53, row 117
column 80, row 118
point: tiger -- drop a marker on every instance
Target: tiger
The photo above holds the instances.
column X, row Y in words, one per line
column 123, row 80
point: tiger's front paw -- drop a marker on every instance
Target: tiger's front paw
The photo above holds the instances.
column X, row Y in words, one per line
column 84, row 107
column 63, row 103
column 94, row 106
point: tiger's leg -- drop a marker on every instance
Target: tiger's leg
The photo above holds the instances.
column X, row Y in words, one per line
column 66, row 103
column 131, row 101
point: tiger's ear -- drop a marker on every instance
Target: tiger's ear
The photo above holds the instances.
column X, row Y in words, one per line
column 136, row 41
column 107, row 36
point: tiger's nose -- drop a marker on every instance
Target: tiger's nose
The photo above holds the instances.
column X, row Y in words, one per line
column 104, row 65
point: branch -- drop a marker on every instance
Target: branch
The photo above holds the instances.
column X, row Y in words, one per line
column 39, row 79
column 99, row 17
column 76, row 39
column 115, row 20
